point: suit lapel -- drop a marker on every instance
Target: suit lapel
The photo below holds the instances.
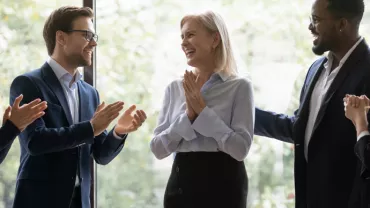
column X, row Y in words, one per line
column 83, row 97
column 303, row 112
column 53, row 82
column 349, row 65
column 317, row 70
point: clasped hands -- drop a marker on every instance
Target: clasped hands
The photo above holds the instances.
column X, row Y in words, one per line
column 128, row 122
column 356, row 109
column 194, row 100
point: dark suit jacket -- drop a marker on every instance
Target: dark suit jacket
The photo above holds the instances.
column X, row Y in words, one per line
column 52, row 148
column 362, row 151
column 329, row 179
column 8, row 132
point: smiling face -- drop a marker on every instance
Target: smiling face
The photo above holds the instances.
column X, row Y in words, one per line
column 323, row 28
column 198, row 43
column 77, row 48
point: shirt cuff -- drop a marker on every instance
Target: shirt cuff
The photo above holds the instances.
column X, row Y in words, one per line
column 92, row 127
column 362, row 134
column 210, row 125
column 116, row 136
column 11, row 127
column 182, row 126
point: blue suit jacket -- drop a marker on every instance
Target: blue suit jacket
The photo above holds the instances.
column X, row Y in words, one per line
column 52, row 147
column 333, row 176
column 8, row 132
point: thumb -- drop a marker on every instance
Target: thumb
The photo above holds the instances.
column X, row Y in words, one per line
column 7, row 114
column 100, row 107
column 131, row 109
column 196, row 79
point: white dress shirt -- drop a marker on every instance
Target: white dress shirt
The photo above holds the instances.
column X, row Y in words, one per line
column 70, row 88
column 322, row 86
column 362, row 134
column 226, row 124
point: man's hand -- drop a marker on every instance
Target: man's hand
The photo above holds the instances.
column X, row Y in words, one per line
column 22, row 116
column 128, row 123
column 104, row 115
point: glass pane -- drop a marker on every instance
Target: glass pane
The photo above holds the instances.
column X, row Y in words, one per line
column 22, row 49
column 139, row 54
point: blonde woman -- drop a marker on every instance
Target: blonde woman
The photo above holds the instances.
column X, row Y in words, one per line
column 207, row 119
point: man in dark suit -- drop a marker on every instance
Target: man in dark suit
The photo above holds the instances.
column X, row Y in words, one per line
column 56, row 149
column 15, row 120
column 325, row 164
column 356, row 109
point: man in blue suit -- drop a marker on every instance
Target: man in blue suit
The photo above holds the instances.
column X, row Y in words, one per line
column 56, row 149
column 325, row 163
column 15, row 119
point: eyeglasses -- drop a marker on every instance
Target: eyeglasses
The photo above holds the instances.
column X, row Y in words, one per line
column 315, row 19
column 89, row 36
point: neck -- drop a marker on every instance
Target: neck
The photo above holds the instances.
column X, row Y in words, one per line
column 204, row 73
column 342, row 49
column 62, row 60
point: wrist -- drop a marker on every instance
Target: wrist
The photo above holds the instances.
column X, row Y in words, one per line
column 16, row 124
column 191, row 115
column 361, row 126
column 93, row 127
column 118, row 133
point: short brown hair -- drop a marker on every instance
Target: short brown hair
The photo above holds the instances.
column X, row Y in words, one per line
column 62, row 19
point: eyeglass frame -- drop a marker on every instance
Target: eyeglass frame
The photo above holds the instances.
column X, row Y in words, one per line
column 93, row 37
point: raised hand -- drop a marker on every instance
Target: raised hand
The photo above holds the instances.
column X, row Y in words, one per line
column 130, row 122
column 22, row 116
column 193, row 95
column 104, row 115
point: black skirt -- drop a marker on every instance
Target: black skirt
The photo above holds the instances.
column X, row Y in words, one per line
column 206, row 179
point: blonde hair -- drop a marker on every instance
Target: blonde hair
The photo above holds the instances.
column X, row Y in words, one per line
column 213, row 22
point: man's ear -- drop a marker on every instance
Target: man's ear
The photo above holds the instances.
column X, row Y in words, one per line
column 60, row 37
column 343, row 24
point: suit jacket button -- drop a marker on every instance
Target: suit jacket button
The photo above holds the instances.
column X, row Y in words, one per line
column 177, row 169
column 180, row 191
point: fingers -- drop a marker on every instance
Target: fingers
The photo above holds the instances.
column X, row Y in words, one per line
column 130, row 109
column 7, row 112
column 141, row 115
column 17, row 101
column 39, row 107
column 36, row 116
column 197, row 78
column 113, row 116
column 189, row 79
column 137, row 119
column 113, row 108
column 135, row 125
column 367, row 101
column 32, row 104
column 186, row 88
column 100, row 107
column 6, row 115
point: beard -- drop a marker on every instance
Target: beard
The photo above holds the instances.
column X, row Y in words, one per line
column 320, row 48
column 78, row 60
